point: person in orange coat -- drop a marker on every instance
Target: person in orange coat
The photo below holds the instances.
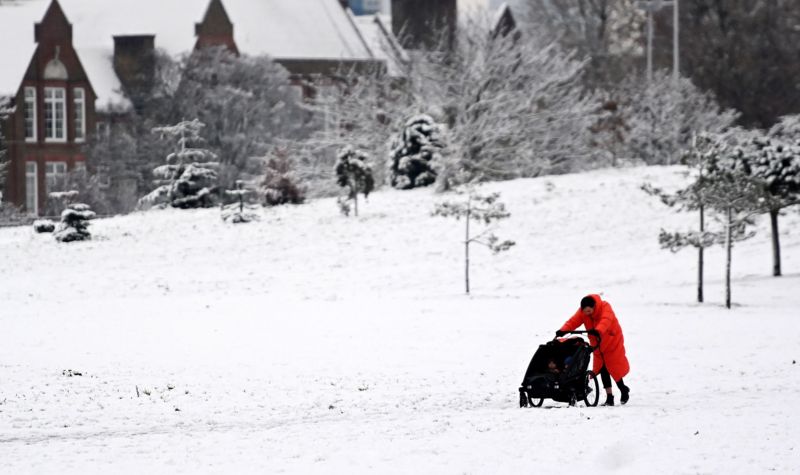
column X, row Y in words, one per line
column 609, row 360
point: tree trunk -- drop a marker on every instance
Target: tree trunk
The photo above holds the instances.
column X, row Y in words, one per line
column 466, row 246
column 354, row 193
column 776, row 243
column 700, row 252
column 728, row 246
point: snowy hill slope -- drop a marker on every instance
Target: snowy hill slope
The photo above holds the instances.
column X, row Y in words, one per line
column 309, row 342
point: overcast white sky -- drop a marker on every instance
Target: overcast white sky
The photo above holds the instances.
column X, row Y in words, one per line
column 467, row 4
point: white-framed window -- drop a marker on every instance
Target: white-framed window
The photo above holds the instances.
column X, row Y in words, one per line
column 30, row 114
column 55, row 113
column 79, row 99
column 31, row 188
column 55, row 174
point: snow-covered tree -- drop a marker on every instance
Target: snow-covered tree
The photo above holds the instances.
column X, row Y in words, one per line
column 691, row 198
column 74, row 225
column 513, row 105
column 5, row 111
column 355, row 175
column 280, row 183
column 661, row 117
column 415, row 153
column 188, row 180
column 240, row 211
column 247, row 104
column 363, row 109
column 776, row 162
column 736, row 195
column 484, row 209
column 717, row 188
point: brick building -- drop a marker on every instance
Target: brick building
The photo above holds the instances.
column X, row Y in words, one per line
column 63, row 63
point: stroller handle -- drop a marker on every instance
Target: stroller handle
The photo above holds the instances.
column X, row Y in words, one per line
column 585, row 332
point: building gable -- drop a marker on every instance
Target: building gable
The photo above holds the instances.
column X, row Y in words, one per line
column 216, row 28
column 55, row 58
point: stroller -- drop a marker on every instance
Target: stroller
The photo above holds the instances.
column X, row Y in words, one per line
column 558, row 371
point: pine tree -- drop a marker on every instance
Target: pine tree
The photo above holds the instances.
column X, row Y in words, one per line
column 776, row 163
column 240, row 211
column 280, row 183
column 733, row 193
column 355, row 174
column 415, row 153
column 188, row 180
column 74, row 225
column 485, row 209
column 705, row 194
column 691, row 198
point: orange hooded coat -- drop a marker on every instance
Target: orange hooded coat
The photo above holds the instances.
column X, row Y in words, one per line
column 612, row 342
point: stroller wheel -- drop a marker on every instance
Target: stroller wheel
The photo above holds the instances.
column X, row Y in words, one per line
column 538, row 402
column 523, row 398
column 591, row 390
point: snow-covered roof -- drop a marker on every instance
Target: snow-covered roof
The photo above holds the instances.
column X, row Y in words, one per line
column 283, row 29
column 377, row 32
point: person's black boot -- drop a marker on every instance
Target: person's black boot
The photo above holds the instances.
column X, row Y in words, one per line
column 626, row 394
column 609, row 400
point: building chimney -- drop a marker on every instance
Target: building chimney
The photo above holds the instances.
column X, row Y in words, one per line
column 135, row 64
column 425, row 24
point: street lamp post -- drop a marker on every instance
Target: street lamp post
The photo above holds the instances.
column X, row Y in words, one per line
column 652, row 6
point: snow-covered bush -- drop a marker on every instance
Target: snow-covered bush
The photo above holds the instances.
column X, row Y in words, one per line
column 189, row 179
column 415, row 153
column 74, row 225
column 57, row 201
column 355, row 175
column 44, row 226
column 281, row 184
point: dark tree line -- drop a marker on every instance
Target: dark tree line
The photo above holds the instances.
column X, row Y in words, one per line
column 745, row 51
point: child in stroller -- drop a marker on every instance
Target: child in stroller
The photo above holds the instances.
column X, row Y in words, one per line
column 558, row 371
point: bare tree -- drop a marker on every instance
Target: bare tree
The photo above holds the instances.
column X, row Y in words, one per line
column 484, row 209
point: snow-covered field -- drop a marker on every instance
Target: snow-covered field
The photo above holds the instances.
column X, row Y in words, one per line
column 313, row 343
